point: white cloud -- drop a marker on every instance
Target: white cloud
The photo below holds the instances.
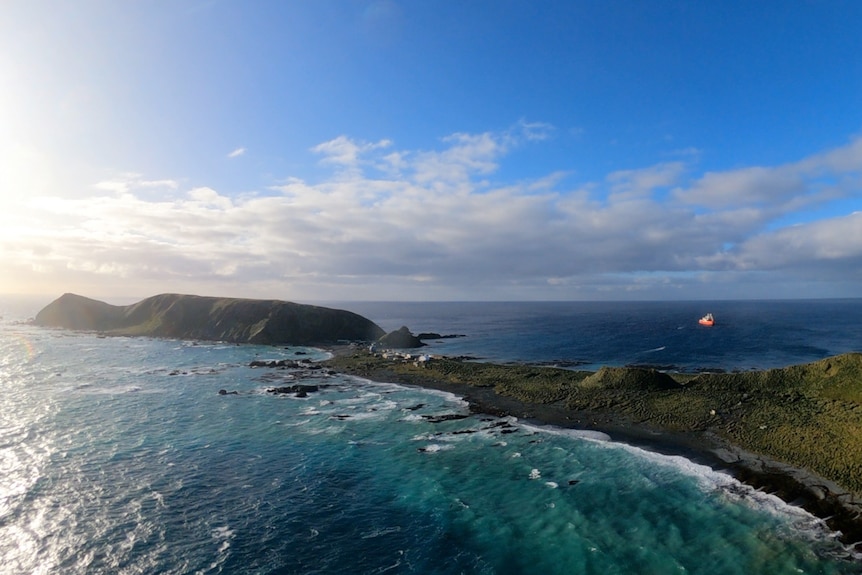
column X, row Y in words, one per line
column 169, row 184
column 817, row 243
column 747, row 186
column 793, row 186
column 433, row 223
column 209, row 197
column 532, row 131
column 636, row 183
column 345, row 153
column 115, row 186
column 236, row 153
column 844, row 159
column 466, row 156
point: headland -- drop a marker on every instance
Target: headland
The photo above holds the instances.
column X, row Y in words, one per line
column 234, row 320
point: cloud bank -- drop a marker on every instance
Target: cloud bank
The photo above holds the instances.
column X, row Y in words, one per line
column 391, row 223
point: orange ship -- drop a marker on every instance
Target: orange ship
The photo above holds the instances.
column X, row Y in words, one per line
column 707, row 320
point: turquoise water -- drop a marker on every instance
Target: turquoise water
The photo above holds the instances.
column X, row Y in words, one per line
column 118, row 455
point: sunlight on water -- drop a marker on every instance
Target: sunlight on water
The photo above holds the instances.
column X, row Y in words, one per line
column 24, row 453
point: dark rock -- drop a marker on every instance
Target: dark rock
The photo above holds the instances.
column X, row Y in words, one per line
column 400, row 339
column 297, row 389
column 562, row 363
column 444, row 417
column 226, row 392
column 430, row 335
column 211, row 319
column 282, row 363
column 654, row 366
column 504, row 424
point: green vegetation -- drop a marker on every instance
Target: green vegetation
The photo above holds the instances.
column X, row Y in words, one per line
column 209, row 318
column 808, row 416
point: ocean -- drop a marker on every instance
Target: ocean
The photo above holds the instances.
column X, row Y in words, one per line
column 747, row 335
column 119, row 455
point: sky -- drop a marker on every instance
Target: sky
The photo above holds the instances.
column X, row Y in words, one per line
column 347, row 150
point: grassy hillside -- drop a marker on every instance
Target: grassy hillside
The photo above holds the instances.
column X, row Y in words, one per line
column 211, row 318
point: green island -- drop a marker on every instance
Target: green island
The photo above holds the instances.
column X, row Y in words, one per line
column 234, row 320
column 794, row 431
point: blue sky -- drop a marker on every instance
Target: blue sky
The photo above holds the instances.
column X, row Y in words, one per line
column 442, row 150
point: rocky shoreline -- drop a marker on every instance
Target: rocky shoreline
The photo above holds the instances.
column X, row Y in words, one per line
column 821, row 497
column 838, row 507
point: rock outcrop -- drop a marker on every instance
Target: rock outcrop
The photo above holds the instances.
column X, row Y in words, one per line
column 401, row 338
column 211, row 319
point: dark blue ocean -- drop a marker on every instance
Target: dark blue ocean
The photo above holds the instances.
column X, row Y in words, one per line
column 118, row 455
column 747, row 334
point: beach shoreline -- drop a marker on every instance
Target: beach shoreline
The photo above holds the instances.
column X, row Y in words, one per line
column 838, row 508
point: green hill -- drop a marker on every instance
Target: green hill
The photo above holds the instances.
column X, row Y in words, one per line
column 211, row 318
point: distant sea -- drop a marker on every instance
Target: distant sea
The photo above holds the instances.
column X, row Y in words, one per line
column 747, row 334
column 118, row 455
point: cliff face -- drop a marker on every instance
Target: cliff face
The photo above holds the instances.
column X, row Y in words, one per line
column 211, row 318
